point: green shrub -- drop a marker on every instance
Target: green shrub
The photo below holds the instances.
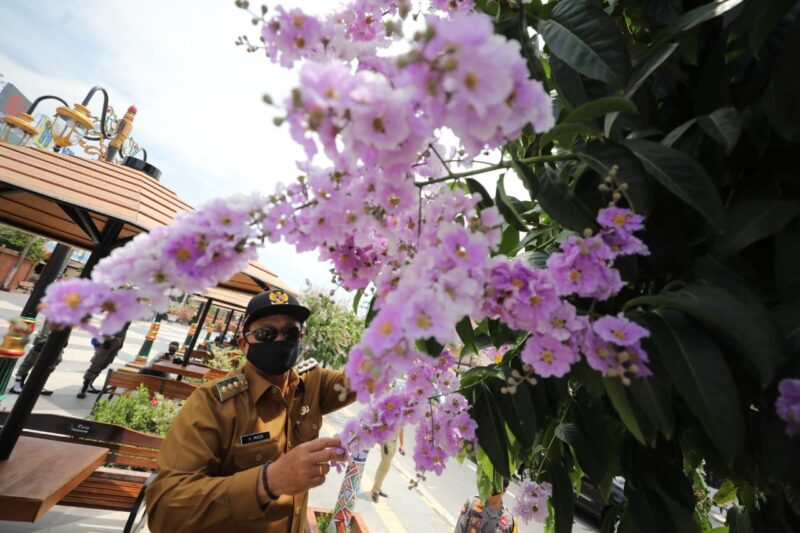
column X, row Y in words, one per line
column 227, row 359
column 139, row 411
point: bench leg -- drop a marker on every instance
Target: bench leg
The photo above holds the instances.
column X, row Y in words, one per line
column 138, row 517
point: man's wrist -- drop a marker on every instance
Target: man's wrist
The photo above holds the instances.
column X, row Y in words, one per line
column 265, row 482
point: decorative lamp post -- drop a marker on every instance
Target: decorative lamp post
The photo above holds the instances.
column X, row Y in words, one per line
column 18, row 130
column 70, row 125
column 144, row 351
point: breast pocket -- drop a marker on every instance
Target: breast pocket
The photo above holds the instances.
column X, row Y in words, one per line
column 249, row 455
column 307, row 427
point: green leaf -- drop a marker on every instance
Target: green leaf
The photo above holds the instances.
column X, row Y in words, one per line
column 645, row 68
column 568, row 84
column 595, row 465
column 655, row 398
column 491, row 430
column 556, row 198
column 600, row 107
column 563, row 497
column 746, row 328
column 565, row 133
column 587, row 39
column 739, row 520
column 475, row 187
column 702, row 377
column 670, row 138
column 467, row 335
column 771, row 13
column 506, row 207
column 601, row 156
column 756, row 218
column 517, row 410
column 725, row 494
column 682, row 176
column 510, row 240
column 619, row 399
column 692, row 18
column 357, row 299
column 787, row 267
column 724, row 125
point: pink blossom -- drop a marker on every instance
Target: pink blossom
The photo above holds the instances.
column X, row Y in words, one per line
column 532, row 501
column 619, row 330
column 787, row 405
column 548, row 356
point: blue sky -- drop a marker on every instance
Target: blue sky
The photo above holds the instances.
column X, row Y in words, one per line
column 199, row 97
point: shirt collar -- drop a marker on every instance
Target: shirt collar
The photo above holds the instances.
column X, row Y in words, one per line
column 258, row 385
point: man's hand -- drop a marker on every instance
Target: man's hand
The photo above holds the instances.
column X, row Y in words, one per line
column 304, row 467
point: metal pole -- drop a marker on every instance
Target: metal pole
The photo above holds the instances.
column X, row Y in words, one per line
column 11, row 430
column 193, row 326
column 50, row 272
column 238, row 325
column 190, row 348
column 213, row 321
column 144, row 351
column 227, row 325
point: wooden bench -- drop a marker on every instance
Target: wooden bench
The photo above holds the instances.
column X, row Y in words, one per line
column 124, row 382
column 107, row 488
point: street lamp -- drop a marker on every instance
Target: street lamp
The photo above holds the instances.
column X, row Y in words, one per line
column 18, row 130
column 70, row 125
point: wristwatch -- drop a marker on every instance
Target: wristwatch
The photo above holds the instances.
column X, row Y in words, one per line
column 265, row 483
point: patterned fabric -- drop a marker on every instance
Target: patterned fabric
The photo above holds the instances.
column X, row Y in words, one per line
column 477, row 518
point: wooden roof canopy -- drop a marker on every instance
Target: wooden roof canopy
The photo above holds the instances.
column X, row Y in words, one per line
column 72, row 200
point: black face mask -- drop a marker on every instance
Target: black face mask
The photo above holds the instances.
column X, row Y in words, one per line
column 274, row 357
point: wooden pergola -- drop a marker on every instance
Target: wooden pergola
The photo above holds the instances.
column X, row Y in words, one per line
column 97, row 206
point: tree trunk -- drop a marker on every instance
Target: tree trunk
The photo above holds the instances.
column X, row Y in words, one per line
column 20, row 260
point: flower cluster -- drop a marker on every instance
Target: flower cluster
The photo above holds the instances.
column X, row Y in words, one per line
column 532, row 501
column 788, row 405
column 426, row 399
column 370, row 107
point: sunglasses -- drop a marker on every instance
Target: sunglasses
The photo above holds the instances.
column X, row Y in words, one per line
column 268, row 333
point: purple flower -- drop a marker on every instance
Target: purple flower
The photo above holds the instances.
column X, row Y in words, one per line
column 561, row 324
column 620, row 219
column 72, row 302
column 121, row 307
column 787, row 406
column 548, row 356
column 619, row 330
column 532, row 501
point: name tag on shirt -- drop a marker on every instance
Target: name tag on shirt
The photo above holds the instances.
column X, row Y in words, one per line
column 254, row 437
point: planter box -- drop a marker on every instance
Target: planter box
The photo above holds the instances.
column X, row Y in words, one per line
column 357, row 524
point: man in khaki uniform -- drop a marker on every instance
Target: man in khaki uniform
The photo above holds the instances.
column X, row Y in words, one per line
column 244, row 450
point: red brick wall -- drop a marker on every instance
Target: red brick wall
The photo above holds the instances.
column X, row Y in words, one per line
column 8, row 259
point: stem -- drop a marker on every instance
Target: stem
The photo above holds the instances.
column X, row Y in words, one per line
column 441, row 159
column 553, row 438
column 499, row 166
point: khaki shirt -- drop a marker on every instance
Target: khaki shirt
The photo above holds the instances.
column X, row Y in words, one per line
column 207, row 472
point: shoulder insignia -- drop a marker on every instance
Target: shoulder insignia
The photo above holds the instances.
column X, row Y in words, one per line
column 306, row 365
column 230, row 387
column 477, row 506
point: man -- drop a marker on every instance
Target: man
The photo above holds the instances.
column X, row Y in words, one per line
column 244, row 450
column 167, row 356
column 104, row 354
column 490, row 518
column 30, row 359
column 388, row 450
